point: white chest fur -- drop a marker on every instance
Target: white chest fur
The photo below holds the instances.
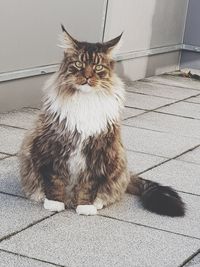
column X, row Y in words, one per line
column 88, row 112
column 77, row 160
column 77, row 164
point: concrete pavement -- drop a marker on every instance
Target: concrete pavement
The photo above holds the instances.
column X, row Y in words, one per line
column 161, row 132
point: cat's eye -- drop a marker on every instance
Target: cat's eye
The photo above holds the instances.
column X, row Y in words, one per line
column 78, row 64
column 98, row 67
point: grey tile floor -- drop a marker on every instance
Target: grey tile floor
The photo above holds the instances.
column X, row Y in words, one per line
column 161, row 132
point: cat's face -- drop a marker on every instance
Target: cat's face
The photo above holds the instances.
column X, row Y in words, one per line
column 88, row 66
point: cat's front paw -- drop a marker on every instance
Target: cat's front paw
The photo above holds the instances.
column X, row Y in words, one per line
column 86, row 210
column 53, row 205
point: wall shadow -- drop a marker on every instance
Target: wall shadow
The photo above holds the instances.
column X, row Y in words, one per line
column 160, row 61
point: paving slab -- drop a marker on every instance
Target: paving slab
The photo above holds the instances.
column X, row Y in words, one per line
column 160, row 90
column 139, row 162
column 192, row 156
column 10, row 177
column 195, row 262
column 183, row 176
column 11, row 139
column 129, row 235
column 17, row 213
column 130, row 209
column 183, row 109
column 74, row 240
column 194, row 100
column 146, row 102
column 12, row 260
column 156, row 143
column 21, row 118
column 166, row 123
column 174, row 81
column 129, row 112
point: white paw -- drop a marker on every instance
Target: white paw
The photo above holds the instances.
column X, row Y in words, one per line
column 86, row 210
column 98, row 203
column 53, row 205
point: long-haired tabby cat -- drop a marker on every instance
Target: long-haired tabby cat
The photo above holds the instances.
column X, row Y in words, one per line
column 74, row 156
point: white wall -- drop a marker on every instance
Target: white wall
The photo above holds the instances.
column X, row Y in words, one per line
column 29, row 35
column 150, row 27
column 29, row 29
column 146, row 23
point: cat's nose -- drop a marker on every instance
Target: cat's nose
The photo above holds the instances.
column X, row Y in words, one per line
column 88, row 72
column 87, row 80
column 88, row 76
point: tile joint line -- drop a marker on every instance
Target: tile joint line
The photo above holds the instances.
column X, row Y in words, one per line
column 32, row 258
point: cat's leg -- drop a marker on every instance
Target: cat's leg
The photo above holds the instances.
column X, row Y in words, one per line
column 111, row 190
column 84, row 200
column 54, row 189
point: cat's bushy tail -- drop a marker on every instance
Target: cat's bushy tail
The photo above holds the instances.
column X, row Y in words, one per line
column 157, row 198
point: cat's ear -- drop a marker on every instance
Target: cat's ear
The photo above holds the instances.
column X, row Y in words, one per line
column 67, row 41
column 113, row 46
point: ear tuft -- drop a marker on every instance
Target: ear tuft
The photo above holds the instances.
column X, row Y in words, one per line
column 62, row 27
column 66, row 40
column 113, row 46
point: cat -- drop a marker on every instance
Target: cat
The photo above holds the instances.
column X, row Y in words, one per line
column 74, row 157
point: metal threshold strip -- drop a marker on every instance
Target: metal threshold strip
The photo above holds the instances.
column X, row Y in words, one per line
column 191, row 48
column 41, row 70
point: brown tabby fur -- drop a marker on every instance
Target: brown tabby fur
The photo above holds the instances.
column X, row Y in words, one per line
column 99, row 169
column 44, row 164
column 46, row 150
